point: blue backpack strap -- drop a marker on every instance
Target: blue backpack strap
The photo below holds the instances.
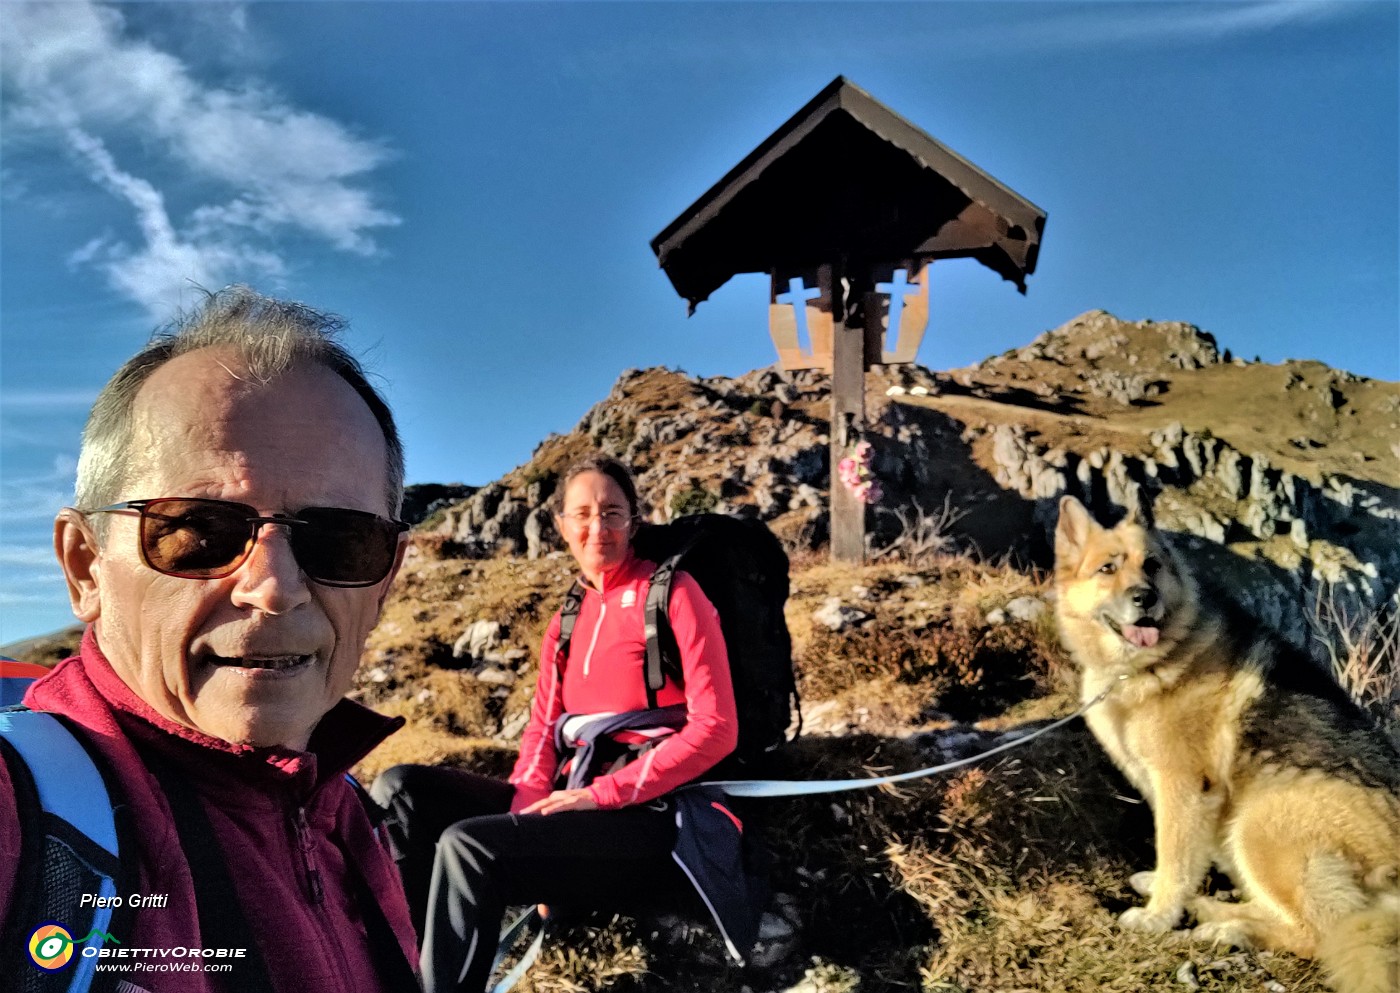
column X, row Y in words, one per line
column 69, row 849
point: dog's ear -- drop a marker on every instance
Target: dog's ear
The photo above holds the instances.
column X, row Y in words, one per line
column 1074, row 527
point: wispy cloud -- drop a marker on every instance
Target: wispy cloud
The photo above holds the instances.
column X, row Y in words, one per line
column 46, row 400
column 964, row 32
column 38, row 496
column 1065, row 27
column 76, row 77
column 9, row 598
column 27, row 556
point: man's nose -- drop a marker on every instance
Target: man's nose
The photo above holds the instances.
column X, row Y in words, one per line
column 270, row 580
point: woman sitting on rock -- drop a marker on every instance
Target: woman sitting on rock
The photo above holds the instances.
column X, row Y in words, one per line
column 580, row 824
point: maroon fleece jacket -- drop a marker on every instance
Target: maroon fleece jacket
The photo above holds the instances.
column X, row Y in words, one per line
column 280, row 817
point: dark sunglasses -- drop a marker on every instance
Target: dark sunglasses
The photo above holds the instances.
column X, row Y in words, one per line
column 193, row 538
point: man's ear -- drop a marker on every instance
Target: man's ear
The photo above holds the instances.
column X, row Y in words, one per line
column 77, row 551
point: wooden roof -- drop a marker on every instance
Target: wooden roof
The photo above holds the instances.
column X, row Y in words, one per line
column 846, row 178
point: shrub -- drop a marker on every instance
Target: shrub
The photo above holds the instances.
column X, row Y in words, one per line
column 1363, row 647
column 922, row 535
column 692, row 500
column 438, row 546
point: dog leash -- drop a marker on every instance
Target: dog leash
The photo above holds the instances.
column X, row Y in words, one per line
column 791, row 787
column 798, row 787
column 509, row 938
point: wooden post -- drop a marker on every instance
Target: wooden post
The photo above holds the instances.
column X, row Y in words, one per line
column 847, row 425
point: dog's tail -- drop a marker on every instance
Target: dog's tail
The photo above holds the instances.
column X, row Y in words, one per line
column 1360, row 951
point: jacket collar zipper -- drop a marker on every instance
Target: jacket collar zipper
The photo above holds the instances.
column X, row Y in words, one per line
column 306, row 845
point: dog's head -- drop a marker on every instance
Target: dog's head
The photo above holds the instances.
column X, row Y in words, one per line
column 1120, row 591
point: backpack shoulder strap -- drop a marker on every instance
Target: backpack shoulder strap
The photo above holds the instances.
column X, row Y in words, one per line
column 661, row 641
column 15, row 678
column 568, row 616
column 71, row 845
column 222, row 922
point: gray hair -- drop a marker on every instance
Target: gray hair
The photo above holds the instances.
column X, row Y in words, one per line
column 271, row 337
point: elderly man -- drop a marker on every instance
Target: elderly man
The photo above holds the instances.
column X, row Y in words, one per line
column 231, row 547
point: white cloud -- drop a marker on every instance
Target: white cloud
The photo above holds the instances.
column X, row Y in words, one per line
column 47, row 400
column 28, row 503
column 39, row 494
column 1111, row 23
column 12, row 599
column 27, row 556
column 75, row 75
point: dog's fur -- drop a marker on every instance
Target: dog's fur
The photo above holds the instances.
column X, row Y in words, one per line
column 1251, row 758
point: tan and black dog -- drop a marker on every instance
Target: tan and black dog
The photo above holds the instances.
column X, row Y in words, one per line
column 1252, row 759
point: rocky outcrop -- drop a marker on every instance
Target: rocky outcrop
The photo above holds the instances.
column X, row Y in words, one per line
column 1332, row 533
column 758, row 445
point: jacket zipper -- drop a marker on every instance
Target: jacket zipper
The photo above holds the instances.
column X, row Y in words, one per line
column 315, row 891
column 602, row 612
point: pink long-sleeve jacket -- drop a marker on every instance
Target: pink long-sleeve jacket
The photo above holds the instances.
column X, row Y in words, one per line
column 605, row 673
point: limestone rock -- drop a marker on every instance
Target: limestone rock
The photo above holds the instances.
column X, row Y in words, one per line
column 837, row 616
column 478, row 639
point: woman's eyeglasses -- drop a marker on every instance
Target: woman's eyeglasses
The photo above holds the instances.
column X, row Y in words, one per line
column 193, row 538
column 608, row 520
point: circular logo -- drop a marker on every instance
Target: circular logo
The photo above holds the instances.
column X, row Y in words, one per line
column 51, row 946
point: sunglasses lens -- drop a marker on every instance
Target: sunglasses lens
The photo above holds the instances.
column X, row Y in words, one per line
column 340, row 547
column 195, row 538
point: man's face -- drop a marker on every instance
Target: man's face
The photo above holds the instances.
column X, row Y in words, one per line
column 259, row 656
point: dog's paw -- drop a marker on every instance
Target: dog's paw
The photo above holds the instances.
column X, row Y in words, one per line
column 1151, row 921
column 1231, row 933
column 1142, row 882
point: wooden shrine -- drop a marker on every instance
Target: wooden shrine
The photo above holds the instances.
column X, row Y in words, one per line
column 846, row 207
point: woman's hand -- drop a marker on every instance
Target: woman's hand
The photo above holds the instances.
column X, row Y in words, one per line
column 561, row 800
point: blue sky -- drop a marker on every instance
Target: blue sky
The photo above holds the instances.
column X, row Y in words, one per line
column 474, row 186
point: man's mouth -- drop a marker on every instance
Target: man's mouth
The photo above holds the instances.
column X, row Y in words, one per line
column 268, row 663
column 1143, row 634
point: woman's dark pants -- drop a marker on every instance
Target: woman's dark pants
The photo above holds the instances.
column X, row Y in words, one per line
column 465, row 858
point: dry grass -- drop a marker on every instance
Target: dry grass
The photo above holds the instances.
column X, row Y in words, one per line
column 426, row 743
column 580, row 958
column 1002, row 877
column 923, row 536
column 1363, row 647
column 1026, row 873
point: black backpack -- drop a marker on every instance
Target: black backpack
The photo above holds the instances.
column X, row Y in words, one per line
column 743, row 570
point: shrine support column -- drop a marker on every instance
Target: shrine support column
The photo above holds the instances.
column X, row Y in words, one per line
column 847, row 423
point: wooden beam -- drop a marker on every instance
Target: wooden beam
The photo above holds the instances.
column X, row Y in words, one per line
column 847, row 427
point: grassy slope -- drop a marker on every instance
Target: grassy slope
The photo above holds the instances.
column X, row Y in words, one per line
column 998, row 877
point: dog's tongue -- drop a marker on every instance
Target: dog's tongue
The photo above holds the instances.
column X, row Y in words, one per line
column 1142, row 637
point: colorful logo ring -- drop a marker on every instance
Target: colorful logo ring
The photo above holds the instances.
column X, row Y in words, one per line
column 51, row 946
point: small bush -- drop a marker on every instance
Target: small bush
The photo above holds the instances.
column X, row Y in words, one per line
column 1363, row 648
column 693, row 500
column 440, row 547
column 539, row 474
